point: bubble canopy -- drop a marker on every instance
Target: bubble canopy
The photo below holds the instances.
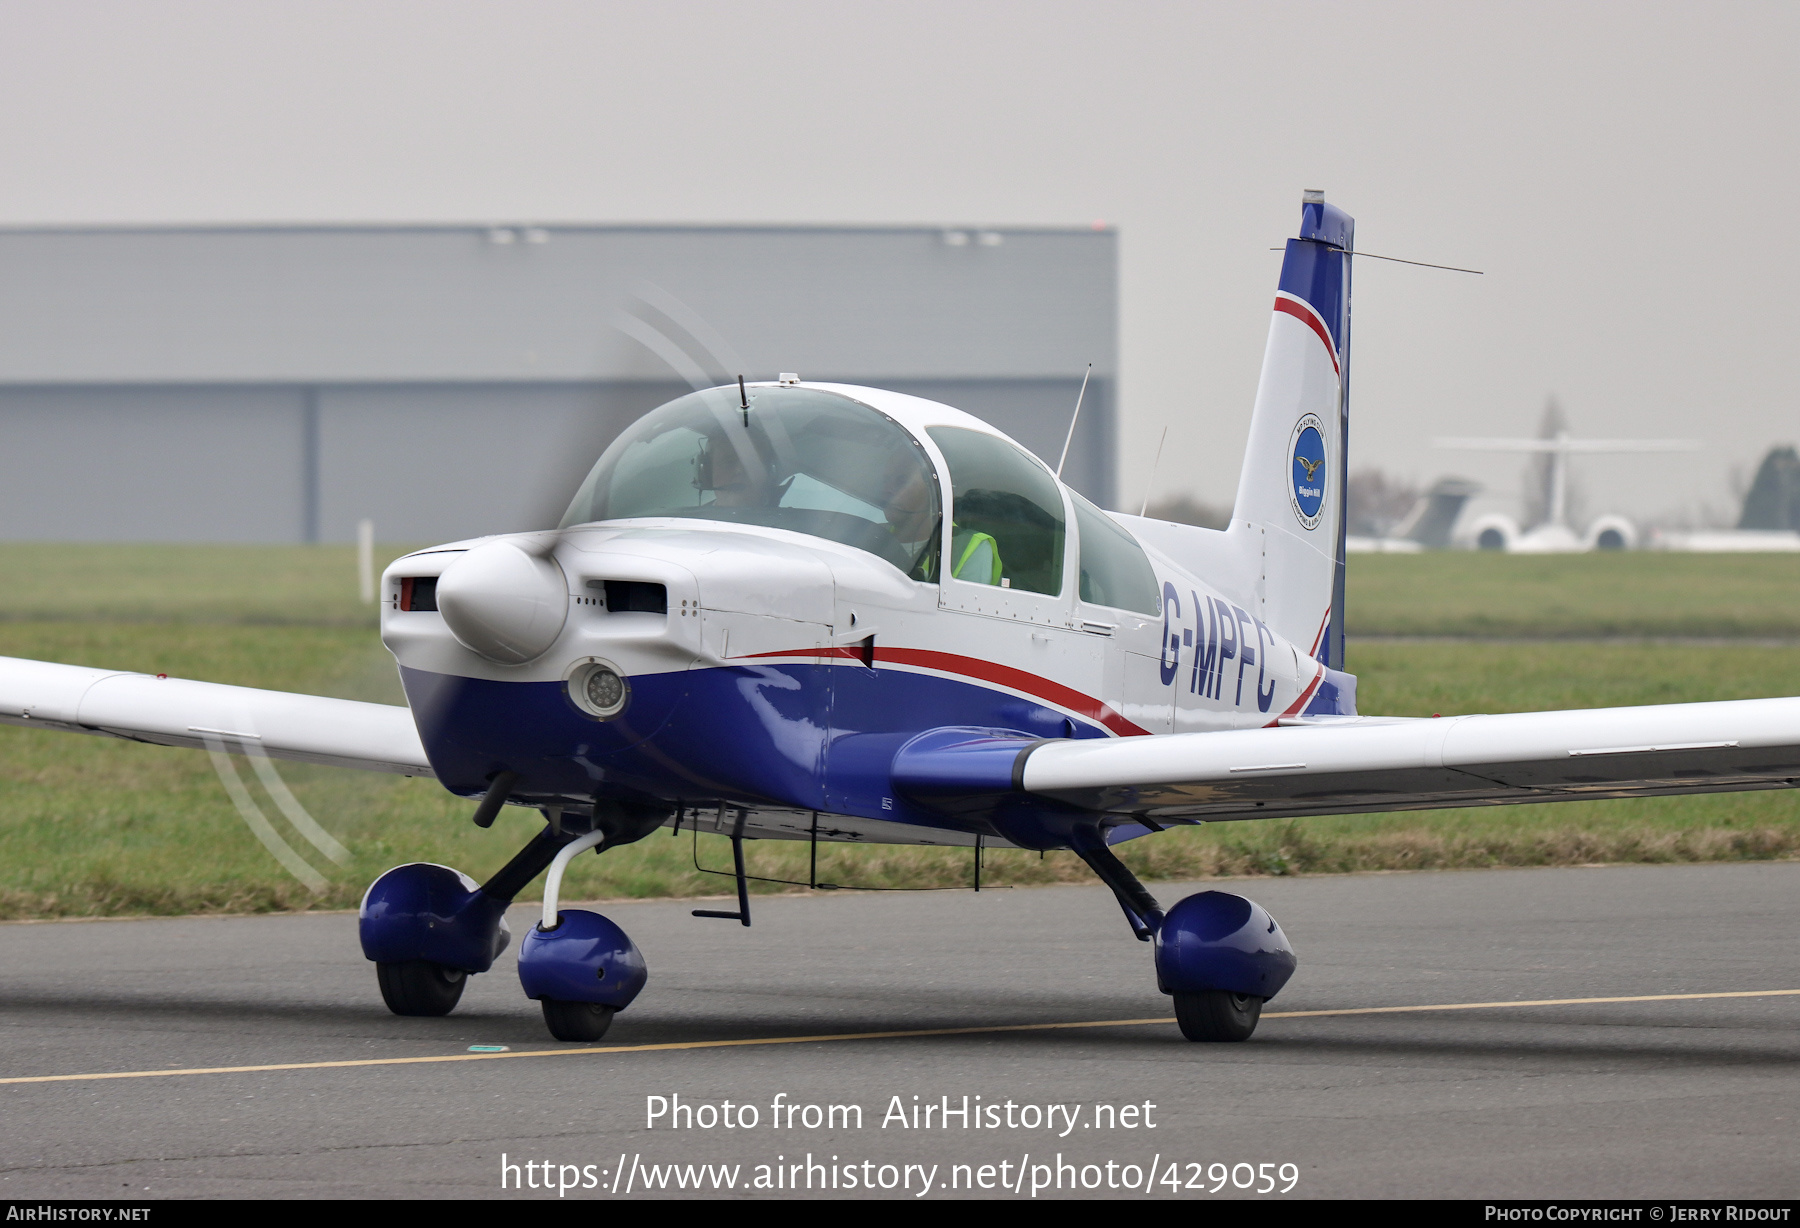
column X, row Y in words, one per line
column 800, row 459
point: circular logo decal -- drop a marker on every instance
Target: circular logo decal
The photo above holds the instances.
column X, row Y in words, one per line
column 1308, row 470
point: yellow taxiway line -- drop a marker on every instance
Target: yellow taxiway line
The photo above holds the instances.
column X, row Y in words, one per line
column 813, row 1040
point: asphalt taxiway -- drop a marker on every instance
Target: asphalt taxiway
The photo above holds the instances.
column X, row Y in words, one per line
column 1646, row 1096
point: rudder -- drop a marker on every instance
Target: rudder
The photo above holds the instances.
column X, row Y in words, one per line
column 1290, row 501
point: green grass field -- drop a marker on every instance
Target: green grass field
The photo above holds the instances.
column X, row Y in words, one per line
column 257, row 585
column 1627, row 593
column 95, row 827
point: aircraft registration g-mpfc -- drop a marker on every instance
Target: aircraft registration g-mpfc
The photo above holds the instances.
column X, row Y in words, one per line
column 818, row 612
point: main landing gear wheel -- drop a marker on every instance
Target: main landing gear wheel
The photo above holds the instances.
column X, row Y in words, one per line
column 1214, row 1014
column 420, row 987
column 580, row 1021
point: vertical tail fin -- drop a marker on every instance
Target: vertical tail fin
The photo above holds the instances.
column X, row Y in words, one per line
column 1433, row 518
column 1290, row 499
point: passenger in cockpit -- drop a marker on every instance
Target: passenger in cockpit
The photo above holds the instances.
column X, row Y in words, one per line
column 911, row 508
column 977, row 557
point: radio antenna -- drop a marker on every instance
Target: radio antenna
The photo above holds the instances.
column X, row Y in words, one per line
column 1076, row 417
column 1153, row 464
column 744, row 401
column 1419, row 263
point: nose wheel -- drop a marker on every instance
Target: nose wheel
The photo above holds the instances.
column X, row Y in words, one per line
column 420, row 987
column 578, row 965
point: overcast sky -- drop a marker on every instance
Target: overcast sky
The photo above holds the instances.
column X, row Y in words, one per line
column 1625, row 174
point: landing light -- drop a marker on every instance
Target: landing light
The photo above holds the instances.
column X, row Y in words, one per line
column 598, row 689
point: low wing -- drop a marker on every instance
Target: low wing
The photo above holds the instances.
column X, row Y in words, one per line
column 1367, row 764
column 177, row 712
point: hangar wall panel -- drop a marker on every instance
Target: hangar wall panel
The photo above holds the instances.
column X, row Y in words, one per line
column 113, row 464
column 373, row 304
column 439, row 464
column 281, row 383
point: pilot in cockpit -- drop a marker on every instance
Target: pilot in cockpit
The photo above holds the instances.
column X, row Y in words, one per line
column 911, row 508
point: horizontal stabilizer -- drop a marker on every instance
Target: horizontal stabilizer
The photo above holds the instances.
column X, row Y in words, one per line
column 208, row 715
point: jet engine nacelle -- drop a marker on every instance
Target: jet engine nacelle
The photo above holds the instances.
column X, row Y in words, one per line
column 1494, row 531
column 1611, row 532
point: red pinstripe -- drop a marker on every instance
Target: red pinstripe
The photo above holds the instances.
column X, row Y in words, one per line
column 1293, row 708
column 983, row 671
column 1307, row 316
column 1321, row 632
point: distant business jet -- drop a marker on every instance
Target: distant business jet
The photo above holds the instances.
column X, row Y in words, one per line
column 1498, row 531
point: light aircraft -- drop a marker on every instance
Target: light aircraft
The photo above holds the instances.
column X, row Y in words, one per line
column 798, row 611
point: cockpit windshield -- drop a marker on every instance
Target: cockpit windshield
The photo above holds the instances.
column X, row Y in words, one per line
column 797, row 458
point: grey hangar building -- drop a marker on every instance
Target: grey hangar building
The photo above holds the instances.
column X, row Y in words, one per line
column 283, row 383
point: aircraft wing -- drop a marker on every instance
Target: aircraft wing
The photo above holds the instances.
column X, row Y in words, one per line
column 1366, row 764
column 203, row 715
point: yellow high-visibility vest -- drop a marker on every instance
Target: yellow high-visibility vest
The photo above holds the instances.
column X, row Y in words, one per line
column 977, row 557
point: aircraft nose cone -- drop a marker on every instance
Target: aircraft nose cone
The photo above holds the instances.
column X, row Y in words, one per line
column 503, row 603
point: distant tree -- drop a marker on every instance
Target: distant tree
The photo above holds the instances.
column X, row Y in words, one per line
column 1376, row 502
column 1773, row 501
column 1185, row 509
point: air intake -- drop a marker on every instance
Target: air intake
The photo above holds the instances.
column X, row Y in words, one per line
column 635, row 597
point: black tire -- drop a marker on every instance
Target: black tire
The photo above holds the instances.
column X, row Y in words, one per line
column 577, row 1021
column 420, row 987
column 1215, row 1015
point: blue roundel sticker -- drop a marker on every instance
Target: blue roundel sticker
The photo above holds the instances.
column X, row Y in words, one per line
column 1308, row 472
